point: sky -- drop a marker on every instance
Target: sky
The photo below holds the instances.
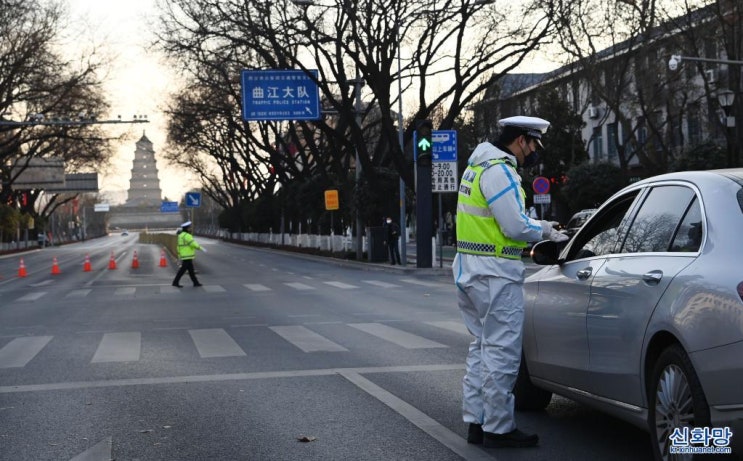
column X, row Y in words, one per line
column 138, row 84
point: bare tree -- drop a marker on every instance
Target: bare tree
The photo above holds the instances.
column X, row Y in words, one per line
column 37, row 81
column 448, row 56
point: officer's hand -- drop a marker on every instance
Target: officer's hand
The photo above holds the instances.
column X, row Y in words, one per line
column 204, row 250
column 557, row 236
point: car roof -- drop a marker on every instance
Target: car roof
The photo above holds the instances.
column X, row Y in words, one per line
column 735, row 174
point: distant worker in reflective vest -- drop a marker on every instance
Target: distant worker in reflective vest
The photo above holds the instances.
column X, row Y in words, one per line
column 493, row 229
column 187, row 247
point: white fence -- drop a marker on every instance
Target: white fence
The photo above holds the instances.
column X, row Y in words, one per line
column 334, row 243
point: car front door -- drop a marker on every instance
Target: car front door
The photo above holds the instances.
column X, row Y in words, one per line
column 628, row 286
column 558, row 314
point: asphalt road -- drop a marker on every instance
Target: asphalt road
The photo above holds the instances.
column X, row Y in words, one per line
column 276, row 357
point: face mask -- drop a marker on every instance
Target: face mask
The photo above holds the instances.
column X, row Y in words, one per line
column 389, row 221
column 530, row 158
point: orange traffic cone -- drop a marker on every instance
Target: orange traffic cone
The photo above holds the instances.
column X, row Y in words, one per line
column 22, row 269
column 135, row 261
column 112, row 262
column 86, row 264
column 163, row 261
column 55, row 267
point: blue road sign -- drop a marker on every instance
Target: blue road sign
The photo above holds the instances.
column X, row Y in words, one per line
column 193, row 199
column 279, row 95
column 169, row 207
column 444, row 145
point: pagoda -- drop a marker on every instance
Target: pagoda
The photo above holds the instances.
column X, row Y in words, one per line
column 144, row 185
column 142, row 209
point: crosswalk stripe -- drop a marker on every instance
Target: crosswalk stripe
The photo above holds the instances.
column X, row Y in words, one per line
column 215, row 342
column 299, row 286
column 118, row 347
column 345, row 286
column 20, row 351
column 79, row 293
column 213, row 288
column 422, row 283
column 256, row 287
column 122, row 291
column 456, row 327
column 381, row 284
column 32, row 296
column 307, row 340
column 396, row 336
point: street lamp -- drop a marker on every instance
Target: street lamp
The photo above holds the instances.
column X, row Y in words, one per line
column 40, row 120
column 676, row 59
column 726, row 98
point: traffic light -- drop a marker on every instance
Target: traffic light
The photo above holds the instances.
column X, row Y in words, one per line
column 423, row 141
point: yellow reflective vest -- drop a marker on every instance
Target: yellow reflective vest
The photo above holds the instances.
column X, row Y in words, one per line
column 478, row 232
column 187, row 246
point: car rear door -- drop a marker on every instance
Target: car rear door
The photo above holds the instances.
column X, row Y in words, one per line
column 664, row 238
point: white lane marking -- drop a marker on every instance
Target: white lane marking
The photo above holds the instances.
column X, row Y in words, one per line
column 118, row 347
column 456, row 327
column 75, row 385
column 31, row 296
column 20, row 351
column 345, row 286
column 396, row 336
column 381, row 284
column 215, row 342
column 41, row 284
column 98, row 452
column 125, row 291
column 213, row 288
column 78, row 293
column 307, row 340
column 299, row 286
column 427, row 424
column 256, row 287
column 424, row 283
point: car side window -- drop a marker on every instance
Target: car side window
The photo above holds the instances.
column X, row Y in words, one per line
column 689, row 234
column 601, row 235
column 657, row 219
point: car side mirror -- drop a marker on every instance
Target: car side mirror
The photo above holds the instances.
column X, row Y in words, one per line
column 546, row 253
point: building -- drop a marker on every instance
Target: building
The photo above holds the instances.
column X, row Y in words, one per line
column 639, row 112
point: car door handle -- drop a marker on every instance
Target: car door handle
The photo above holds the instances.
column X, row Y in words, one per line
column 652, row 277
column 583, row 274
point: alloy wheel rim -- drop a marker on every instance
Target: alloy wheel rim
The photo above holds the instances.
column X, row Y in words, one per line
column 674, row 407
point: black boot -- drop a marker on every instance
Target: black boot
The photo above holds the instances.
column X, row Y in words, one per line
column 513, row 439
column 474, row 434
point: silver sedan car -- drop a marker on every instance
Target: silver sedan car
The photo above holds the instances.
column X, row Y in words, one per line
column 640, row 314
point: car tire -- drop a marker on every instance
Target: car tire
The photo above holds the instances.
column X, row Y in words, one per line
column 681, row 403
column 528, row 396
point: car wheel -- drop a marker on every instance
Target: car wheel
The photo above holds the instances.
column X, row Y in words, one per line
column 528, row 396
column 675, row 399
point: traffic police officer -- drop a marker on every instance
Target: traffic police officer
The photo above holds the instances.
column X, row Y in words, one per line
column 187, row 247
column 493, row 228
